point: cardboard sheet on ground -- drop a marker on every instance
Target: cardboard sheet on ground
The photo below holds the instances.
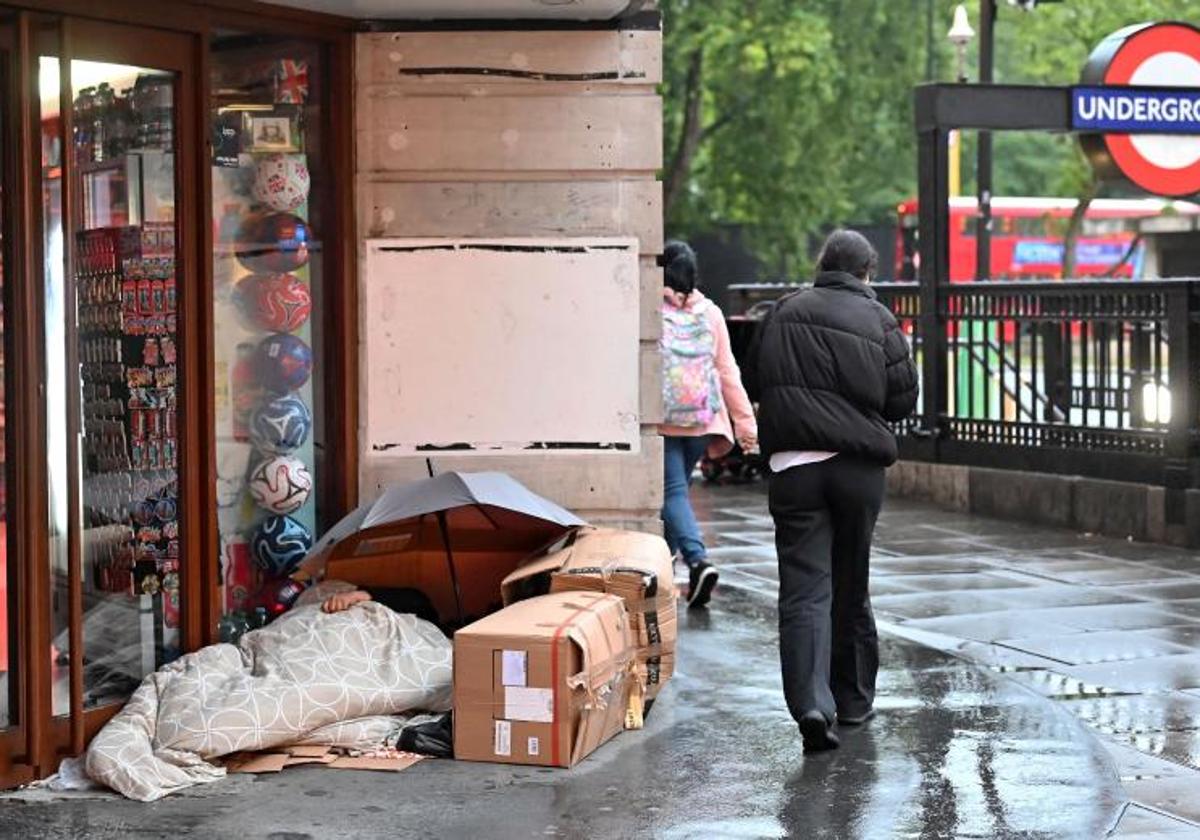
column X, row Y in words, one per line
column 309, row 756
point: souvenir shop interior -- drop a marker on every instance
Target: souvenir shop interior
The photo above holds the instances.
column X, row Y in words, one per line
column 181, row 207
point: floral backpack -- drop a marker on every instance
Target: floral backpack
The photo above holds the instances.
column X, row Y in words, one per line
column 691, row 386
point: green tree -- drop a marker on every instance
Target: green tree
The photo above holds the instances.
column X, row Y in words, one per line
column 786, row 117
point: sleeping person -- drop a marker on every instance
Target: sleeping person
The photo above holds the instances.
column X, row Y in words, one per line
column 405, row 601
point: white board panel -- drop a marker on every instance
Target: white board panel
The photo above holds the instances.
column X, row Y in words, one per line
column 478, row 346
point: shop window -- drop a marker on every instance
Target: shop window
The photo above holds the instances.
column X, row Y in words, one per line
column 111, row 372
column 268, row 173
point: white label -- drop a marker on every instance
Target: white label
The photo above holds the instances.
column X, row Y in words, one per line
column 503, row 745
column 534, row 746
column 513, row 667
column 535, row 705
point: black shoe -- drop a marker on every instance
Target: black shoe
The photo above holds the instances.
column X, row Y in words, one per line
column 856, row 720
column 702, row 579
column 818, row 735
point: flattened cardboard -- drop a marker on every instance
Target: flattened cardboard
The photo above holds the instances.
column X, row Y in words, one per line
column 577, row 645
column 313, row 759
column 393, row 763
column 635, row 566
column 310, row 755
column 307, row 751
column 259, row 763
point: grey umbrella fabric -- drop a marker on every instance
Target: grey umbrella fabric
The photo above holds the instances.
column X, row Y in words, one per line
column 445, row 492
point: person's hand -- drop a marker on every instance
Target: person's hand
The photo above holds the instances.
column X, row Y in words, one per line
column 344, row 601
column 749, row 445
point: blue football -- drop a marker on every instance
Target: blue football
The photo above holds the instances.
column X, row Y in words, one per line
column 279, row 544
column 281, row 425
column 284, row 362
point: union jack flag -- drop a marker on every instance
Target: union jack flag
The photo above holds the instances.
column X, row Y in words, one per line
column 291, row 82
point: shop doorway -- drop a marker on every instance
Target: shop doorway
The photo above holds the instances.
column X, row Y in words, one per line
column 102, row 365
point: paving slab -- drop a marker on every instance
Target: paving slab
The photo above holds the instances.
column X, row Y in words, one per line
column 1113, row 616
column 1177, row 796
column 1090, row 648
column 1141, row 823
column 1183, row 589
column 1190, row 609
column 937, row 604
column 1053, row 594
column 968, row 581
column 994, row 626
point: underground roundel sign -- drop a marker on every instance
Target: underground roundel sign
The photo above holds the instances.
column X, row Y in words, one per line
column 1138, row 107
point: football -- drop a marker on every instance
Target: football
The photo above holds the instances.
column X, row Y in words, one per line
column 281, row 425
column 281, row 484
column 275, row 302
column 284, row 362
column 281, row 182
column 279, row 544
column 272, row 242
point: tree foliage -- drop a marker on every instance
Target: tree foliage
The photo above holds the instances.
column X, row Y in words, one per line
column 789, row 117
column 784, row 116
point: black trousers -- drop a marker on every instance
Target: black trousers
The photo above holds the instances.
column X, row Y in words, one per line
column 824, row 518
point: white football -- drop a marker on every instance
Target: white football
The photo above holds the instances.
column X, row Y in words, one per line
column 281, row 484
column 281, row 181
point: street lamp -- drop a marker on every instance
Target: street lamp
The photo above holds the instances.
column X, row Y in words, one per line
column 960, row 35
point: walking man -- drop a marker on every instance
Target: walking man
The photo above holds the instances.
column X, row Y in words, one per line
column 832, row 369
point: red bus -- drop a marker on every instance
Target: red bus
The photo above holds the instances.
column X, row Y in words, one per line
column 1027, row 237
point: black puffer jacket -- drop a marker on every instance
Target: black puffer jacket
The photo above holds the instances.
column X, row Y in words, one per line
column 830, row 368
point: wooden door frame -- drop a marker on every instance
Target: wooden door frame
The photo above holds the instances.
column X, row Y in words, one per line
column 118, row 34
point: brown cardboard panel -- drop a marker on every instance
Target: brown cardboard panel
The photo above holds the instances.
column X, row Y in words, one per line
column 634, row 566
column 394, row 763
column 316, row 759
column 259, row 763
column 307, row 751
column 544, row 681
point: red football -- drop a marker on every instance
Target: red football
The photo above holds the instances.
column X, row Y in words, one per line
column 275, row 302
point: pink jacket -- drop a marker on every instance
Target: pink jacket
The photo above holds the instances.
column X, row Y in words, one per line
column 744, row 428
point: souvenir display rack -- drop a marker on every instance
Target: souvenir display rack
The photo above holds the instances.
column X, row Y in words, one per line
column 127, row 338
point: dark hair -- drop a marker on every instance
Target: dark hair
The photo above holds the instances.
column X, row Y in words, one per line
column 679, row 267
column 848, row 251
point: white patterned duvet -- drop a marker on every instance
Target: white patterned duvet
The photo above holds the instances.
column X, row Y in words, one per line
column 344, row 679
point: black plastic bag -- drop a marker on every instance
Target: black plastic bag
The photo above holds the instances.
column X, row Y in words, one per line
column 435, row 738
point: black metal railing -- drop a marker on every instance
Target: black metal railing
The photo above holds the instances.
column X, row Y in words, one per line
column 1094, row 378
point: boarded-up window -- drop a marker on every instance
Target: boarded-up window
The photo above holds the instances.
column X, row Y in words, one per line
column 491, row 346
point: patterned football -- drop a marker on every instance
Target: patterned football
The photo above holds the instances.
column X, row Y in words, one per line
column 279, row 544
column 275, row 302
column 281, row 425
column 272, row 242
column 284, row 362
column 281, row 484
column 281, row 181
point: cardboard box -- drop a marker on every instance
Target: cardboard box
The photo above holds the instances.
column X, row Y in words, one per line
column 545, row 681
column 635, row 566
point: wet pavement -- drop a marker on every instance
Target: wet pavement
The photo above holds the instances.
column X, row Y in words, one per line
column 1107, row 631
column 1019, row 698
